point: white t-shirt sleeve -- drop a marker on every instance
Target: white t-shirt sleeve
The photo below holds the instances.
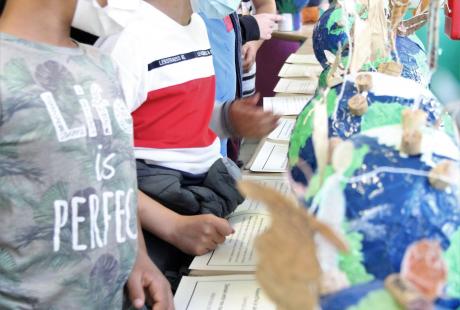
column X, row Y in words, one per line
column 132, row 68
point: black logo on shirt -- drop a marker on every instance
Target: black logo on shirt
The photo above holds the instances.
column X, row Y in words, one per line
column 178, row 58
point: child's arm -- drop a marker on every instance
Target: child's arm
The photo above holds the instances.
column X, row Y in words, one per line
column 242, row 118
column 194, row 235
column 265, row 10
column 147, row 278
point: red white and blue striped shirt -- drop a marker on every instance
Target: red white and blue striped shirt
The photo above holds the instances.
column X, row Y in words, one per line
column 168, row 78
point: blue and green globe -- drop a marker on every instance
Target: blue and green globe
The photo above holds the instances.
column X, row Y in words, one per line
column 330, row 32
column 333, row 29
column 373, row 295
column 388, row 97
column 390, row 204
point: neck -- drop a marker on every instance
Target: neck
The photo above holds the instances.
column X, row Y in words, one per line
column 44, row 21
column 179, row 10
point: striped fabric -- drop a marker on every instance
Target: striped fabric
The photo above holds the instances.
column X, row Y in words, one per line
column 249, row 82
column 249, row 78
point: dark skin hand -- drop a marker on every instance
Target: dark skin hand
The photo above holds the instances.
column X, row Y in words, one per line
column 251, row 121
column 146, row 283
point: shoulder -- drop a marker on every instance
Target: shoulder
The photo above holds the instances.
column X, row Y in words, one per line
column 198, row 20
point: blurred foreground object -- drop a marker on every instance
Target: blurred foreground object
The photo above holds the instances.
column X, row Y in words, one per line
column 288, row 269
column 452, row 23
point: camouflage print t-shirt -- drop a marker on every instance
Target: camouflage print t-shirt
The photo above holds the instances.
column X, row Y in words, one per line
column 67, row 179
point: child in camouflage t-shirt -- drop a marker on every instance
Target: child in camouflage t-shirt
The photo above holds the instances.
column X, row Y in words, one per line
column 68, row 192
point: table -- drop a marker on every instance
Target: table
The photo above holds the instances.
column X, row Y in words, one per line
column 249, row 146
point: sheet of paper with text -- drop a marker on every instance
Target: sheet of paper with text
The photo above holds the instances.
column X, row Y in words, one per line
column 292, row 86
column 236, row 292
column 286, row 105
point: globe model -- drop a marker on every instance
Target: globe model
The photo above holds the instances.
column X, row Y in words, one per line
column 333, row 29
column 373, row 295
column 390, row 202
column 330, row 32
column 386, row 99
column 412, row 55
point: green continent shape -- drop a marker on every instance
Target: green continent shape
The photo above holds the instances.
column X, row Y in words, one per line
column 448, row 123
column 336, row 17
column 322, row 80
column 362, row 11
column 381, row 114
column 322, row 83
column 334, row 20
column 304, row 125
column 422, row 64
column 351, row 263
column 357, row 161
column 315, row 185
column 372, row 65
column 377, row 300
column 452, row 258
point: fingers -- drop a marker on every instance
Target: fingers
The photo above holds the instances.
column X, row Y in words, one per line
column 251, row 100
column 158, row 289
column 215, row 231
column 266, row 123
column 223, row 227
column 277, row 18
column 136, row 290
column 161, row 295
column 249, row 56
column 218, row 239
column 246, row 66
column 263, row 124
column 251, row 121
column 244, row 50
column 248, row 62
column 267, row 24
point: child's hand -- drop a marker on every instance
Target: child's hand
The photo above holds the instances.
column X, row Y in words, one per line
column 267, row 24
column 249, row 53
column 199, row 234
column 250, row 121
column 147, row 279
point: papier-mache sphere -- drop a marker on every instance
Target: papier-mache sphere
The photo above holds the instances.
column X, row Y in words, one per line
column 333, row 29
column 386, row 99
column 373, row 295
column 330, row 32
column 391, row 202
column 412, row 55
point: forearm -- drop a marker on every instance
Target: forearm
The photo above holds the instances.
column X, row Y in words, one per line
column 140, row 236
column 249, row 29
column 264, row 6
column 220, row 120
column 155, row 217
column 261, row 8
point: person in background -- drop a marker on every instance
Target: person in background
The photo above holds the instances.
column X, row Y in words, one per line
column 246, row 119
column 69, row 231
column 227, row 35
column 168, row 76
column 249, row 51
